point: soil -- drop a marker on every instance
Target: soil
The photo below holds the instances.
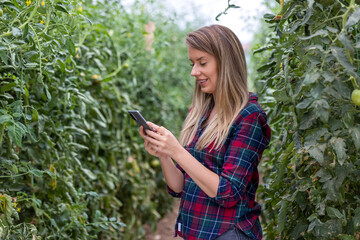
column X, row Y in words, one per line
column 166, row 226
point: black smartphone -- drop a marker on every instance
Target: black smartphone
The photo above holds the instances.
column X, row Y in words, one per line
column 139, row 119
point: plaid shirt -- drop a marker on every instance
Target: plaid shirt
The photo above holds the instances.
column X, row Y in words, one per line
column 203, row 217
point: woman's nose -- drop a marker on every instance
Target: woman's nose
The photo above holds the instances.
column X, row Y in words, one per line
column 194, row 71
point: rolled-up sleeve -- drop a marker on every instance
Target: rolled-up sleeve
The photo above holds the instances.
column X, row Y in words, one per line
column 242, row 156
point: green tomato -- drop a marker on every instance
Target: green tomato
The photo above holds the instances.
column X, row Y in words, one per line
column 1, row 12
column 155, row 163
column 355, row 97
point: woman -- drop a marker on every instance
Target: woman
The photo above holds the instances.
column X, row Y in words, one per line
column 221, row 143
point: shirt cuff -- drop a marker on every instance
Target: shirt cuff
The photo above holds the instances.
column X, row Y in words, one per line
column 172, row 193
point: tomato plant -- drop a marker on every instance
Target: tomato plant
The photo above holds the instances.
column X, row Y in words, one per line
column 311, row 170
column 72, row 164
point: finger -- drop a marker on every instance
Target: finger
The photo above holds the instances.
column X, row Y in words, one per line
column 159, row 129
column 152, row 140
column 153, row 134
column 141, row 131
column 162, row 131
column 153, row 126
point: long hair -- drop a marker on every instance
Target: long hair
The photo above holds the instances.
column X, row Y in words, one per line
column 231, row 90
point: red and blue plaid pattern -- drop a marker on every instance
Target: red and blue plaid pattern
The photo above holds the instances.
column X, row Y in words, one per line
column 202, row 217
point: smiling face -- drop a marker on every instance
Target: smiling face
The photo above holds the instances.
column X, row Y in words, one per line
column 204, row 69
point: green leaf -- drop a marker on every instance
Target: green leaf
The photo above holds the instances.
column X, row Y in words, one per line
column 346, row 237
column 355, row 134
column 304, row 104
column 78, row 146
column 61, row 64
column 72, row 190
column 334, row 213
column 31, row 134
column 310, row 3
column 11, row 5
column 311, row 77
column 331, row 190
column 5, row 118
column 16, row 32
column 99, row 65
column 16, row 131
column 37, row 173
column 356, row 218
column 7, row 203
column 354, row 18
column 321, row 109
column 282, row 215
column 26, row 31
column 297, row 141
column 346, row 42
column 281, row 95
column 51, row 174
column 299, row 229
column 330, row 228
column 3, row 57
column 70, row 47
column 317, row 153
column 342, row 89
column 89, row 173
column 321, row 32
column 269, row 16
column 86, row 19
column 35, row 115
column 338, row 145
column 307, row 120
column 341, row 56
column 323, row 174
column 8, row 87
column 77, row 130
column 7, row 96
column 61, row 8
column 266, row 66
column 31, row 65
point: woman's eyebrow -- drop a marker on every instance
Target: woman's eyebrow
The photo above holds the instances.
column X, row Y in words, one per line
column 198, row 59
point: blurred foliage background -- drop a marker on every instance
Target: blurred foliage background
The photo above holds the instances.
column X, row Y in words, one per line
column 72, row 164
column 307, row 66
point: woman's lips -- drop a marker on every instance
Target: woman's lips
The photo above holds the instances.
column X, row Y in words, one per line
column 202, row 82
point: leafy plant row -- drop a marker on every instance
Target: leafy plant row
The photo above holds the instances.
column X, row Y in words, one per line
column 312, row 169
column 71, row 161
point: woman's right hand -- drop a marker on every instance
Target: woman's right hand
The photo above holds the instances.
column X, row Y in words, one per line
column 149, row 147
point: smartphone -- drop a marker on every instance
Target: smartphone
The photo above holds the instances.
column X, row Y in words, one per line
column 139, row 119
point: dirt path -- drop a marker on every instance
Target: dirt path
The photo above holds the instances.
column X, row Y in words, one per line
column 165, row 227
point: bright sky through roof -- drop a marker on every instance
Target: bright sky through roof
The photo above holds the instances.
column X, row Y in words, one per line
column 244, row 21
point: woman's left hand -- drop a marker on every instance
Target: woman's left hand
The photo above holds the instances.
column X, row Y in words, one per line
column 163, row 141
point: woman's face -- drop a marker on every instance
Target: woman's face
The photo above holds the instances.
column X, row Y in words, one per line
column 204, row 69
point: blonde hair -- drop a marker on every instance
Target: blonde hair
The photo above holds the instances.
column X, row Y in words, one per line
column 231, row 90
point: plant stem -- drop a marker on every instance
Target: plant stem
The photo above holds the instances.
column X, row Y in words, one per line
column 16, row 175
column 39, row 46
column 48, row 14
column 2, row 129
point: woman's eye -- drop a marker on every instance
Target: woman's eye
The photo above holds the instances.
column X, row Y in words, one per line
column 202, row 64
column 192, row 65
